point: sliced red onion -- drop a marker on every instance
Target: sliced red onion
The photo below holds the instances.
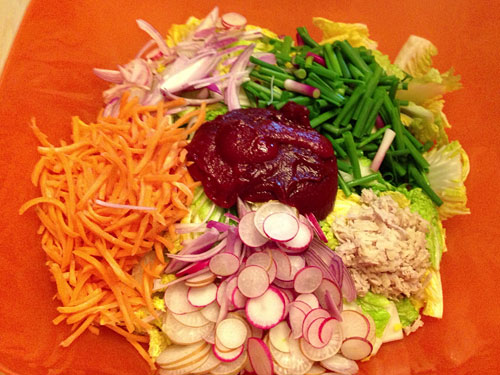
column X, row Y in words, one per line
column 242, row 207
column 112, row 108
column 317, row 228
column 190, row 228
column 203, row 82
column 137, row 71
column 203, row 256
column 192, row 268
column 193, row 101
column 209, row 22
column 231, row 92
column 155, row 35
column 221, row 43
column 150, row 43
column 214, row 88
column 221, row 227
column 124, row 206
column 232, row 217
column 379, row 122
column 113, row 76
column 317, row 58
column 202, row 34
column 300, row 41
column 389, row 135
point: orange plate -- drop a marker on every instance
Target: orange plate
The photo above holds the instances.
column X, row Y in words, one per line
column 48, row 76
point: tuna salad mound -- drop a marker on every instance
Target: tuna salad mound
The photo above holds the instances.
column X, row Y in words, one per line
column 383, row 246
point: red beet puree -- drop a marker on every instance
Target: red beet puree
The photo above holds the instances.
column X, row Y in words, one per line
column 262, row 154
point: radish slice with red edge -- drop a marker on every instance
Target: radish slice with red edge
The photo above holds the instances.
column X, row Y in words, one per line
column 283, row 284
column 201, row 297
column 296, row 318
column 192, row 268
column 249, row 233
column 313, row 333
column 267, row 209
column 302, row 306
column 331, row 349
column 354, row 324
column 260, row 258
column 176, row 299
column 284, row 267
column 317, row 227
column 307, row 280
column 308, row 298
column 340, row 364
column 230, row 356
column 279, row 335
column 332, row 306
column 311, row 317
column 231, row 332
column 260, row 357
column 224, row 264
column 332, row 288
column 356, row 348
column 281, row 226
column 253, row 281
column 326, row 329
column 233, row 20
column 211, row 312
column 265, row 311
column 300, row 242
column 238, row 299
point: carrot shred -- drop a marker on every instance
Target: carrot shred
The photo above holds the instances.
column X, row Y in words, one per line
column 135, row 159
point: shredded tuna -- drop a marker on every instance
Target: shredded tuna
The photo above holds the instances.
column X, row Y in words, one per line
column 383, row 246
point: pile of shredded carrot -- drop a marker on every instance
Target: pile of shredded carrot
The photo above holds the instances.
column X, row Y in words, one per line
column 107, row 199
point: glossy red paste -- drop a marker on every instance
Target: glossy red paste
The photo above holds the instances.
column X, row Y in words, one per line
column 262, row 154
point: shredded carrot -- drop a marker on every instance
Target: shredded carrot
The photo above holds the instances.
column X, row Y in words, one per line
column 135, row 159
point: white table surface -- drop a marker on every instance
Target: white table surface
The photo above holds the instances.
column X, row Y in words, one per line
column 11, row 14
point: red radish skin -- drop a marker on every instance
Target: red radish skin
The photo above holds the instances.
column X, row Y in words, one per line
column 249, row 233
column 311, row 317
column 326, row 329
column 301, row 240
column 192, row 268
column 231, row 356
column 316, row 227
column 259, row 356
column 224, row 264
column 281, row 227
column 267, row 209
column 238, row 299
column 308, row 279
column 265, row 311
column 329, row 350
column 356, row 348
column 233, row 20
column 313, row 335
column 201, row 297
column 253, row 281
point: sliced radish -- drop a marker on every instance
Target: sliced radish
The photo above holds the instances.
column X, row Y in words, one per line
column 307, row 280
column 260, row 258
column 330, row 286
column 192, row 268
column 371, row 335
column 176, row 299
column 286, row 298
column 194, row 319
column 256, row 332
column 330, row 349
column 182, row 334
column 248, row 231
column 340, row 364
column 232, row 367
column 272, row 271
column 260, row 356
column 281, row 226
column 232, row 285
column 211, row 312
column 311, row 316
column 301, row 241
column 316, row 370
column 187, row 366
column 302, row 306
column 201, row 297
column 298, row 262
column 238, row 299
column 313, row 335
column 294, row 361
column 308, row 298
column 279, row 336
column 283, row 284
column 211, row 363
column 332, row 306
column 224, row 264
column 230, row 356
column 356, row 348
column 210, row 337
column 253, row 281
column 201, row 280
column 265, row 311
column 231, row 332
column 354, row 324
column 296, row 318
column 317, row 228
column 267, row 209
column 233, row 20
column 175, row 354
column 284, row 267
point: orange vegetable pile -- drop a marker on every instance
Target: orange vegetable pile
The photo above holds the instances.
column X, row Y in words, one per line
column 107, row 199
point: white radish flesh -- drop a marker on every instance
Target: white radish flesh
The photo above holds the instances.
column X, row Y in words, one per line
column 281, row 227
column 313, row 333
column 296, row 318
column 176, row 299
column 224, row 264
column 182, row 334
column 284, row 267
column 354, row 324
column 249, row 233
column 311, row 317
column 261, row 258
column 260, row 357
column 201, row 297
column 265, row 311
column 187, row 366
column 253, row 281
column 279, row 336
column 201, row 280
column 356, row 348
column 231, row 332
column 194, row 319
column 211, row 363
column 272, row 271
column 307, row 280
column 231, row 367
column 174, row 354
column 211, row 312
column 233, row 20
column 340, row 364
column 228, row 356
column 294, row 361
column 301, row 240
column 308, row 298
column 238, row 299
column 267, row 209
column 333, row 346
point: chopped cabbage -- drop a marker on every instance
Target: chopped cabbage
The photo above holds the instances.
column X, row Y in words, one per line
column 406, row 311
column 158, row 342
column 449, row 167
column 355, row 33
column 376, row 306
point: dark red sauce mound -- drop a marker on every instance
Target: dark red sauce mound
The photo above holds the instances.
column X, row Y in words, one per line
column 263, row 154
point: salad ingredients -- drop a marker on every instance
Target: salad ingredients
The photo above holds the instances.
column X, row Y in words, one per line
column 262, row 154
column 383, row 246
column 135, row 162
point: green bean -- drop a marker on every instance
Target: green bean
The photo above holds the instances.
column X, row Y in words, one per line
column 304, row 34
column 339, row 151
column 352, row 153
column 343, row 185
column 331, row 60
column 335, row 130
column 365, row 179
column 416, row 155
column 325, row 116
column 349, row 104
column 353, row 55
column 344, row 166
column 264, row 64
column 422, row 183
column 380, row 132
column 343, row 66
